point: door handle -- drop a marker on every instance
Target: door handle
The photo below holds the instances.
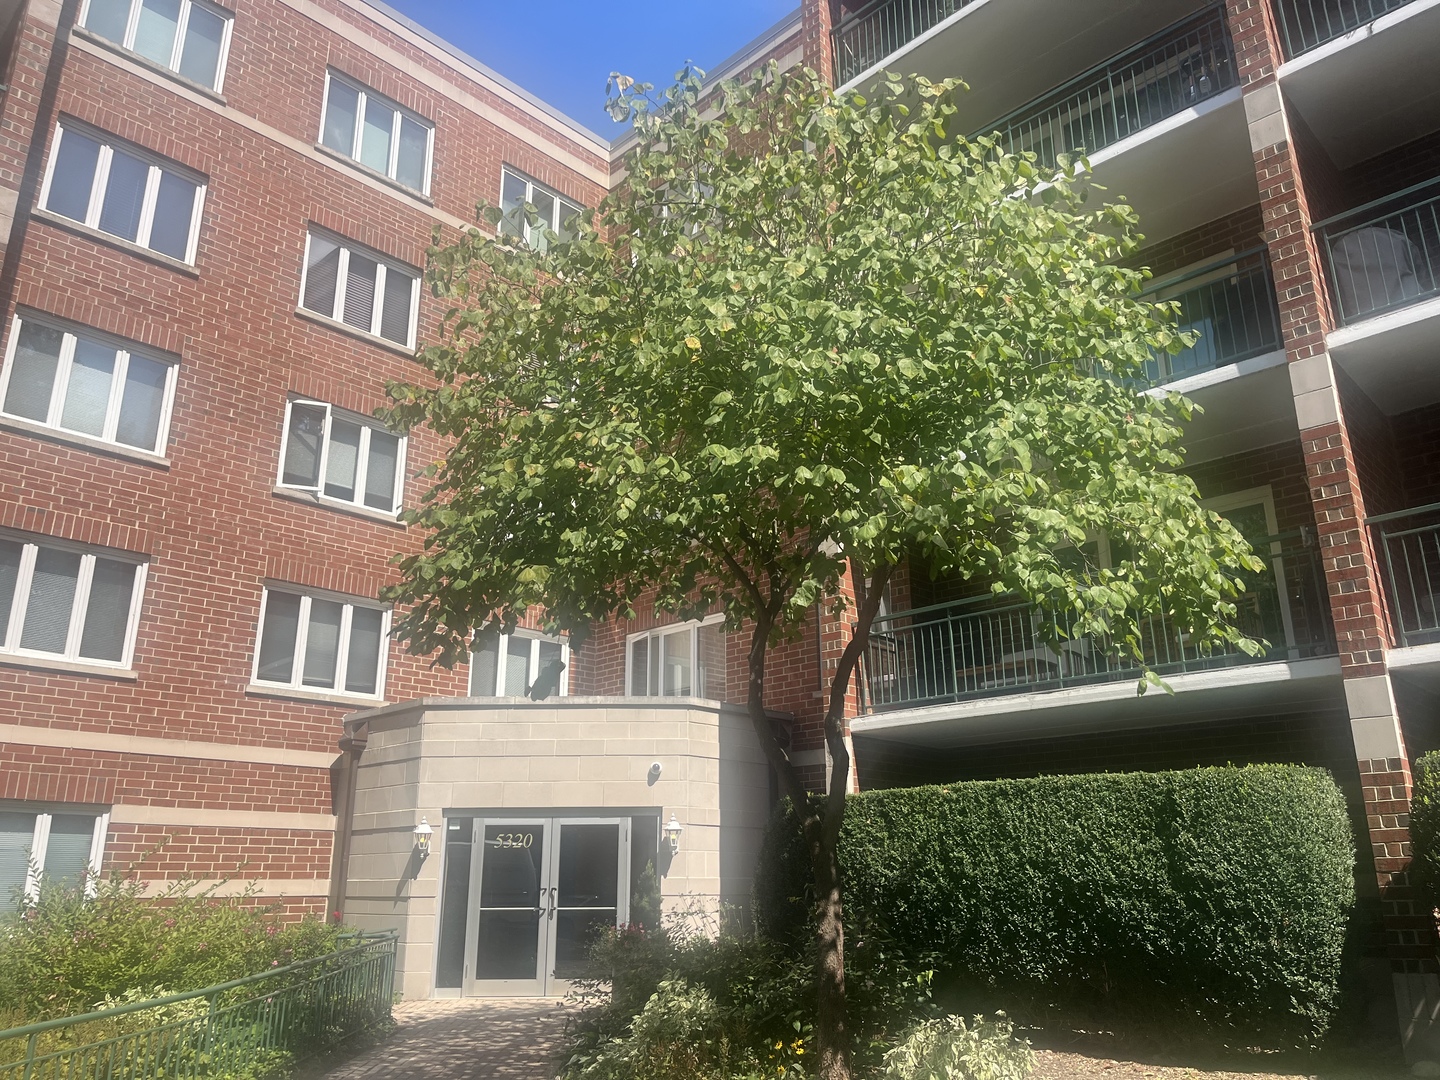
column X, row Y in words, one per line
column 551, row 914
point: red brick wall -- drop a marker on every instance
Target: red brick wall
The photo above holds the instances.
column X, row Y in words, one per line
column 1417, row 448
column 207, row 517
column 206, row 852
column 1239, row 231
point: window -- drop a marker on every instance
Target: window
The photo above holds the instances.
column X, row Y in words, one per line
column 684, row 660
column 321, row 643
column 342, row 456
column 189, row 37
column 519, row 664
column 82, row 382
column 555, row 211
column 66, row 602
column 376, row 132
column 360, row 289
column 125, row 192
column 64, row 845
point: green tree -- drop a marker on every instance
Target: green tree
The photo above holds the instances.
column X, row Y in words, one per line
column 813, row 335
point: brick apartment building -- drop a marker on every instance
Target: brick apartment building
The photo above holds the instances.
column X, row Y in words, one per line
column 215, row 219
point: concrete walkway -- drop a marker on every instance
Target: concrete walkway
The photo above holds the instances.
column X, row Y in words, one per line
column 465, row 1039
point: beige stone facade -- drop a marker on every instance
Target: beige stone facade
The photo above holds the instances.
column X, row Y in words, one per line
column 575, row 757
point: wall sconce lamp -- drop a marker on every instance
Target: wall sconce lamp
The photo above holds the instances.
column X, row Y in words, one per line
column 423, row 833
column 673, row 829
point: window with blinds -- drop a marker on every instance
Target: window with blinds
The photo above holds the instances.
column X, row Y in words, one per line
column 376, row 132
column 359, row 289
column 121, row 190
column 45, row 847
column 68, row 603
column 519, row 664
column 82, row 382
column 342, row 457
column 188, row 37
column 321, row 643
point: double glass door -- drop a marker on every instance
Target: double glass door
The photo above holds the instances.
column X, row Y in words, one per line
column 540, row 890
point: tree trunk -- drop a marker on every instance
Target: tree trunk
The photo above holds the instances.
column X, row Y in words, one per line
column 820, row 824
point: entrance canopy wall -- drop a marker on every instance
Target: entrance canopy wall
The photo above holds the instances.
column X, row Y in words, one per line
column 568, row 757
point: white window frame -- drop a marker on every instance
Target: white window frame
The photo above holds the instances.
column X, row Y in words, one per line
column 10, row 640
column 44, row 818
column 691, row 627
column 366, row 94
column 535, row 638
column 366, row 424
column 342, row 276
column 132, row 23
column 117, row 384
column 101, row 178
column 342, row 662
column 530, row 185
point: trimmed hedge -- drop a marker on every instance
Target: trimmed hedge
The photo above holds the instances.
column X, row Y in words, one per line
column 1218, row 897
column 1425, row 828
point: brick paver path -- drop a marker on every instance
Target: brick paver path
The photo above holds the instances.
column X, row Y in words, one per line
column 465, row 1039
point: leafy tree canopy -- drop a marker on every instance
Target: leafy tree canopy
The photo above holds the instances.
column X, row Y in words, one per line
column 810, row 327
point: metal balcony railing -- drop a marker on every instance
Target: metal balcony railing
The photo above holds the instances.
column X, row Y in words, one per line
column 1231, row 304
column 1409, row 545
column 865, row 37
column 1179, row 67
column 1383, row 255
column 1308, row 24
column 988, row 647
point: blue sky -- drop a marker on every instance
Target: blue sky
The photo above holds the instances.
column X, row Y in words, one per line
column 563, row 50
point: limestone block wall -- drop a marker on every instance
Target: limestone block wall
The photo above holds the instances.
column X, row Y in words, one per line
column 504, row 756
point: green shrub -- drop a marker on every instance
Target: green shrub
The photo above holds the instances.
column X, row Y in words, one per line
column 681, row 1001
column 69, row 954
column 1218, row 897
column 1425, row 828
column 947, row 1049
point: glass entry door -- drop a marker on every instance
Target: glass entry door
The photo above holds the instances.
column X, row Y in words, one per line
column 540, row 889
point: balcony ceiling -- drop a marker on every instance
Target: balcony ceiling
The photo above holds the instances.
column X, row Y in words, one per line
column 1373, row 89
column 1246, row 406
column 1392, row 357
column 1012, row 51
column 1260, row 689
column 1182, row 172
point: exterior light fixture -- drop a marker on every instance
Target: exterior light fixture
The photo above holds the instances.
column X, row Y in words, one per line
column 673, row 829
column 423, row 833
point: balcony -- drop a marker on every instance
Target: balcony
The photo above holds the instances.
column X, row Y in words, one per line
column 989, row 648
column 1384, row 255
column 1175, row 70
column 1408, row 544
column 1308, row 24
column 1231, row 304
column 865, row 37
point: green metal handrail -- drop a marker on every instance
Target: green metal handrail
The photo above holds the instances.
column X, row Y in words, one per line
column 1308, row 24
column 1411, row 557
column 1383, row 255
column 1236, row 317
column 215, row 1031
column 991, row 645
column 865, row 37
column 1179, row 67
